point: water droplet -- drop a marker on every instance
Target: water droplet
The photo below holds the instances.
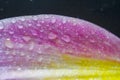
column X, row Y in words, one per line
column 53, row 20
column 92, row 41
column 34, row 32
column 22, row 19
column 35, row 18
column 29, row 24
column 31, row 45
column 13, row 52
column 22, row 53
column 1, row 25
column 64, row 20
column 38, row 24
column 41, row 30
column 20, row 26
column 59, row 24
column 20, row 45
column 46, row 16
column 42, row 21
column 19, row 69
column 66, row 38
column 52, row 35
column 11, row 32
column 26, row 38
column 8, row 43
column 40, row 59
column 39, row 50
column 13, row 21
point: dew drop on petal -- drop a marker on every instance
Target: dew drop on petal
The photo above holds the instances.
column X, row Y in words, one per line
column 34, row 32
column 29, row 24
column 20, row 26
column 20, row 45
column 42, row 30
column 42, row 21
column 13, row 21
column 19, row 69
column 46, row 16
column 39, row 51
column 53, row 20
column 35, row 18
column 11, row 32
column 8, row 43
column 52, row 35
column 64, row 21
column 40, row 59
column 31, row 45
column 26, row 38
column 38, row 24
column 22, row 19
column 66, row 38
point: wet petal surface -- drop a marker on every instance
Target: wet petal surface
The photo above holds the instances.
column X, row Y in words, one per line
column 47, row 47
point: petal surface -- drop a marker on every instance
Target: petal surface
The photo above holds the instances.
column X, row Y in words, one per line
column 54, row 47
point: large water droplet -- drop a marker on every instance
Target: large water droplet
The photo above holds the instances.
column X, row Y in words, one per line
column 8, row 43
column 52, row 35
column 66, row 38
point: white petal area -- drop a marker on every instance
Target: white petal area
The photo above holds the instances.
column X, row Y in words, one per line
column 54, row 73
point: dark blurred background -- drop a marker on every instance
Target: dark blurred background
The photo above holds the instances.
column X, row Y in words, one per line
column 105, row 13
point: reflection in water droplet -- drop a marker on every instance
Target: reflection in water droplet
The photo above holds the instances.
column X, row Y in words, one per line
column 66, row 38
column 52, row 35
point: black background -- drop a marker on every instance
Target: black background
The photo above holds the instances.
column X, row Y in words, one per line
column 105, row 13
